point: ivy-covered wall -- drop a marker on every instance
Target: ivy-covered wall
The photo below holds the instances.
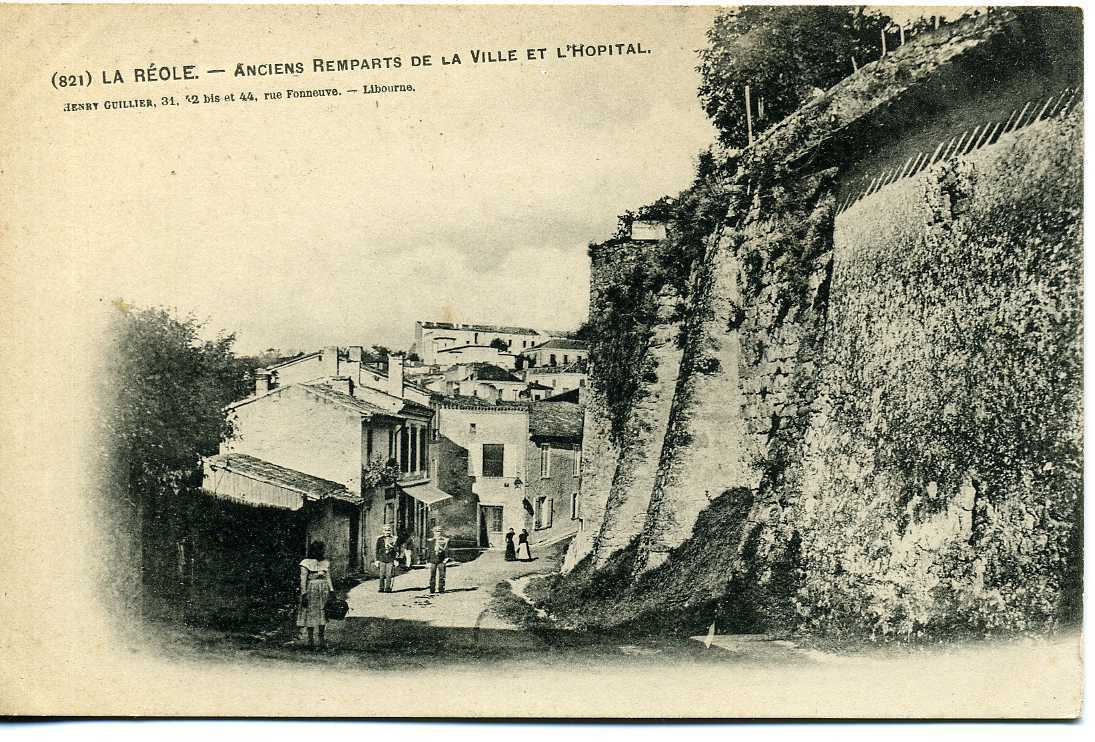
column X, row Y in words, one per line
column 942, row 477
column 875, row 422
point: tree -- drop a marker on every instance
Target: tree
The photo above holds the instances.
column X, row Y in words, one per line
column 162, row 397
column 499, row 344
column 784, row 54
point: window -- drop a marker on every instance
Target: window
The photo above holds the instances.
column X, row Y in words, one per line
column 423, row 451
column 566, row 359
column 524, row 343
column 574, row 506
column 545, row 462
column 552, row 360
column 539, row 512
column 493, row 459
column 476, row 338
column 368, row 445
column 403, row 450
column 412, row 458
column 471, row 429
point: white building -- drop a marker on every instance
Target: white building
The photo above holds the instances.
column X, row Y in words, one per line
column 431, row 337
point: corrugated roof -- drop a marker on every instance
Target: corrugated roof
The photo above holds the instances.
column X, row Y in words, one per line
column 555, row 420
column 311, row 487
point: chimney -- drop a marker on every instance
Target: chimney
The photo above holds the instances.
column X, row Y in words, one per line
column 262, row 381
column 342, row 384
column 356, row 352
column 395, row 375
column 329, row 360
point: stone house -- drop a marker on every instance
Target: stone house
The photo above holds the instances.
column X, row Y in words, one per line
column 558, row 379
column 556, row 352
column 483, row 380
column 553, row 463
column 481, row 452
column 345, row 457
column 467, row 354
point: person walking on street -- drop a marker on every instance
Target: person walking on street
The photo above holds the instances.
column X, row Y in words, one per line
column 315, row 586
column 511, row 549
column 386, row 556
column 408, row 551
column 437, row 552
column 523, row 545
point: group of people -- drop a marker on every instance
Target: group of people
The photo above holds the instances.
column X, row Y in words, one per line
column 389, row 551
column 514, row 554
column 315, row 573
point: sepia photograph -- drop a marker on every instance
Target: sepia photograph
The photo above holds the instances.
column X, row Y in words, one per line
column 542, row 362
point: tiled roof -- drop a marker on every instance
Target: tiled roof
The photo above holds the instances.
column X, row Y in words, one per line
column 560, row 344
column 410, row 407
column 571, row 395
column 313, row 488
column 490, row 372
column 291, row 361
column 574, row 368
column 480, row 328
column 555, row 420
column 344, row 400
column 464, row 402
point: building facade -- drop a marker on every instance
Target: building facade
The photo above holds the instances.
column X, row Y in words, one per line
column 431, row 337
column 553, row 463
column 556, row 352
column 350, row 457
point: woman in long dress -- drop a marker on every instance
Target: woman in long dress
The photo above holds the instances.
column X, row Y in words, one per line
column 511, row 551
column 315, row 586
column 522, row 545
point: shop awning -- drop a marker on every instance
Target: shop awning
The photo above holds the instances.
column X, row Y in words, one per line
column 427, row 494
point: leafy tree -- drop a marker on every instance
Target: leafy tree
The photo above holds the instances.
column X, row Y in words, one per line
column 499, row 344
column 785, row 54
column 168, row 388
column 162, row 396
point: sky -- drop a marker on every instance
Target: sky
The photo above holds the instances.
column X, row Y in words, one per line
column 302, row 223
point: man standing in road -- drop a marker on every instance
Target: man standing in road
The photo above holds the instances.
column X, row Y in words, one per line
column 438, row 554
column 386, row 556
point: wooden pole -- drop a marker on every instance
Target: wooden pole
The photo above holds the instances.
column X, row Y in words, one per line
column 748, row 115
column 883, row 42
